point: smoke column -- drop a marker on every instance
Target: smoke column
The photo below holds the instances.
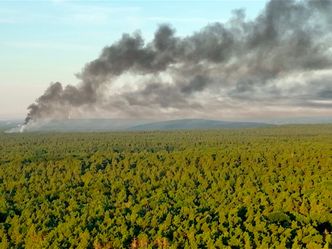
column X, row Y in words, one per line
column 283, row 56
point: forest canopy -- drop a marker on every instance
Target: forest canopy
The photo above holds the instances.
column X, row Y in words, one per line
column 245, row 188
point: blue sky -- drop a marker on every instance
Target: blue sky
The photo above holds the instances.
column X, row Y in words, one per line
column 47, row 41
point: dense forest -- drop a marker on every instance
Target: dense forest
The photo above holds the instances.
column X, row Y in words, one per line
column 246, row 188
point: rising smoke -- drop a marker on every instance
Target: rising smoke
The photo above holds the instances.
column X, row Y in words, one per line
column 283, row 57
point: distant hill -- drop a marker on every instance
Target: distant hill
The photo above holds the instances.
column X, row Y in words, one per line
column 186, row 124
column 86, row 125
column 91, row 125
column 8, row 124
column 83, row 125
column 104, row 125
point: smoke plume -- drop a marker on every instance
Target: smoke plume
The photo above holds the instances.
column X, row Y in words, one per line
column 281, row 58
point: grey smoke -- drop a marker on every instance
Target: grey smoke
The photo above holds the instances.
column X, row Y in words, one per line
column 241, row 61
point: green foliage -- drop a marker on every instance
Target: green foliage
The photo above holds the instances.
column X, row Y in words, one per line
column 280, row 218
column 249, row 188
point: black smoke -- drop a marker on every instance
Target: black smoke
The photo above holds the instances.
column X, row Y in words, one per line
column 240, row 60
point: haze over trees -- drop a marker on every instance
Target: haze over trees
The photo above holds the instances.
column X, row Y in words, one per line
column 247, row 188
